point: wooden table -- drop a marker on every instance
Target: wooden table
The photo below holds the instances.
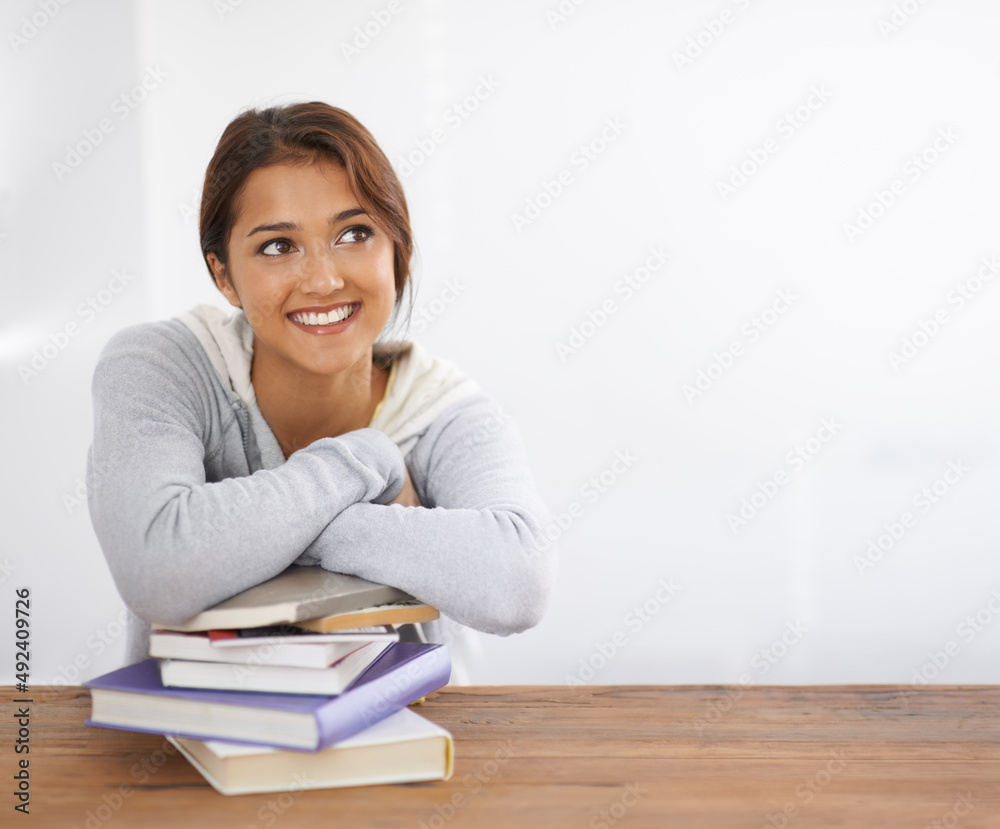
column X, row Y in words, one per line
column 584, row 756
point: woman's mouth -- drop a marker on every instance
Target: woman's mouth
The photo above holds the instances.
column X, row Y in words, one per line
column 334, row 318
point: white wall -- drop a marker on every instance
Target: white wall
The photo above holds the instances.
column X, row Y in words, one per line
column 872, row 99
column 64, row 233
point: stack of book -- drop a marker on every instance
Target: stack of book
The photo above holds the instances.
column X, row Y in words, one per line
column 300, row 682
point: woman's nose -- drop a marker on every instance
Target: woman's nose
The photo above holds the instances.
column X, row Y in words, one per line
column 321, row 275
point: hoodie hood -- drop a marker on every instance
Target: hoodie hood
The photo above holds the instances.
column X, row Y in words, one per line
column 420, row 386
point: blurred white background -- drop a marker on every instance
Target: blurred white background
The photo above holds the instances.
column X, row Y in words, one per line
column 821, row 180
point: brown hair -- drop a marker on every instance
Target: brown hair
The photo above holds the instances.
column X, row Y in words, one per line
column 303, row 133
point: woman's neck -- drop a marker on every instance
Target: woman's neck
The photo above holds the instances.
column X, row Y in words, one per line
column 302, row 408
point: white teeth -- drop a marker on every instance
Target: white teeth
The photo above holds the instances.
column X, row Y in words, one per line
column 337, row 315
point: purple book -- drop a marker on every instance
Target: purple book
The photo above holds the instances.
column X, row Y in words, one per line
column 133, row 698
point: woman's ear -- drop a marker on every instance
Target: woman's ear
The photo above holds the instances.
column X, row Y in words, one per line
column 222, row 281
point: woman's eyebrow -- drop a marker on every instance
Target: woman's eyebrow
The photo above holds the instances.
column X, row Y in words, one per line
column 280, row 226
column 277, row 226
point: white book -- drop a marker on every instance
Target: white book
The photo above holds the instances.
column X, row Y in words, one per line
column 167, row 644
column 403, row 748
column 282, row 679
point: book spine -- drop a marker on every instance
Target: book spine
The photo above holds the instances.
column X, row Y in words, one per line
column 373, row 701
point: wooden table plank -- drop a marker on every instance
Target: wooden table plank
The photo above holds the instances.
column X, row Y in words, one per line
column 584, row 756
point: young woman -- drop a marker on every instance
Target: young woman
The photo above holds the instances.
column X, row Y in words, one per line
column 227, row 447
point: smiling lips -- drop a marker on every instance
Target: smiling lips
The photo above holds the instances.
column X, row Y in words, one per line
column 331, row 317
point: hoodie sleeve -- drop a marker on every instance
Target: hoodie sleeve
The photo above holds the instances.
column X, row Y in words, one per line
column 477, row 549
column 177, row 543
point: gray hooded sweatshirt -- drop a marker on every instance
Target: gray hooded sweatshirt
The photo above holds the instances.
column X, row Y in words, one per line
column 193, row 501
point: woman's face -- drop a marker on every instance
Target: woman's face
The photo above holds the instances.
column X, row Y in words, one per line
column 302, row 255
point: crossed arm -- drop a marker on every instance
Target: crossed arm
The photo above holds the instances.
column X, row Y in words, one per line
column 177, row 543
column 476, row 548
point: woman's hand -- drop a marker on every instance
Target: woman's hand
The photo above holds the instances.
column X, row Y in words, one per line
column 407, row 495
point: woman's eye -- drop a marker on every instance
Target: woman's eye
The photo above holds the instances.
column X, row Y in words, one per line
column 276, row 248
column 358, row 233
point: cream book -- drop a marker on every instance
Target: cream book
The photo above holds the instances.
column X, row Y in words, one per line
column 403, row 748
column 294, row 595
column 197, row 646
column 273, row 679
